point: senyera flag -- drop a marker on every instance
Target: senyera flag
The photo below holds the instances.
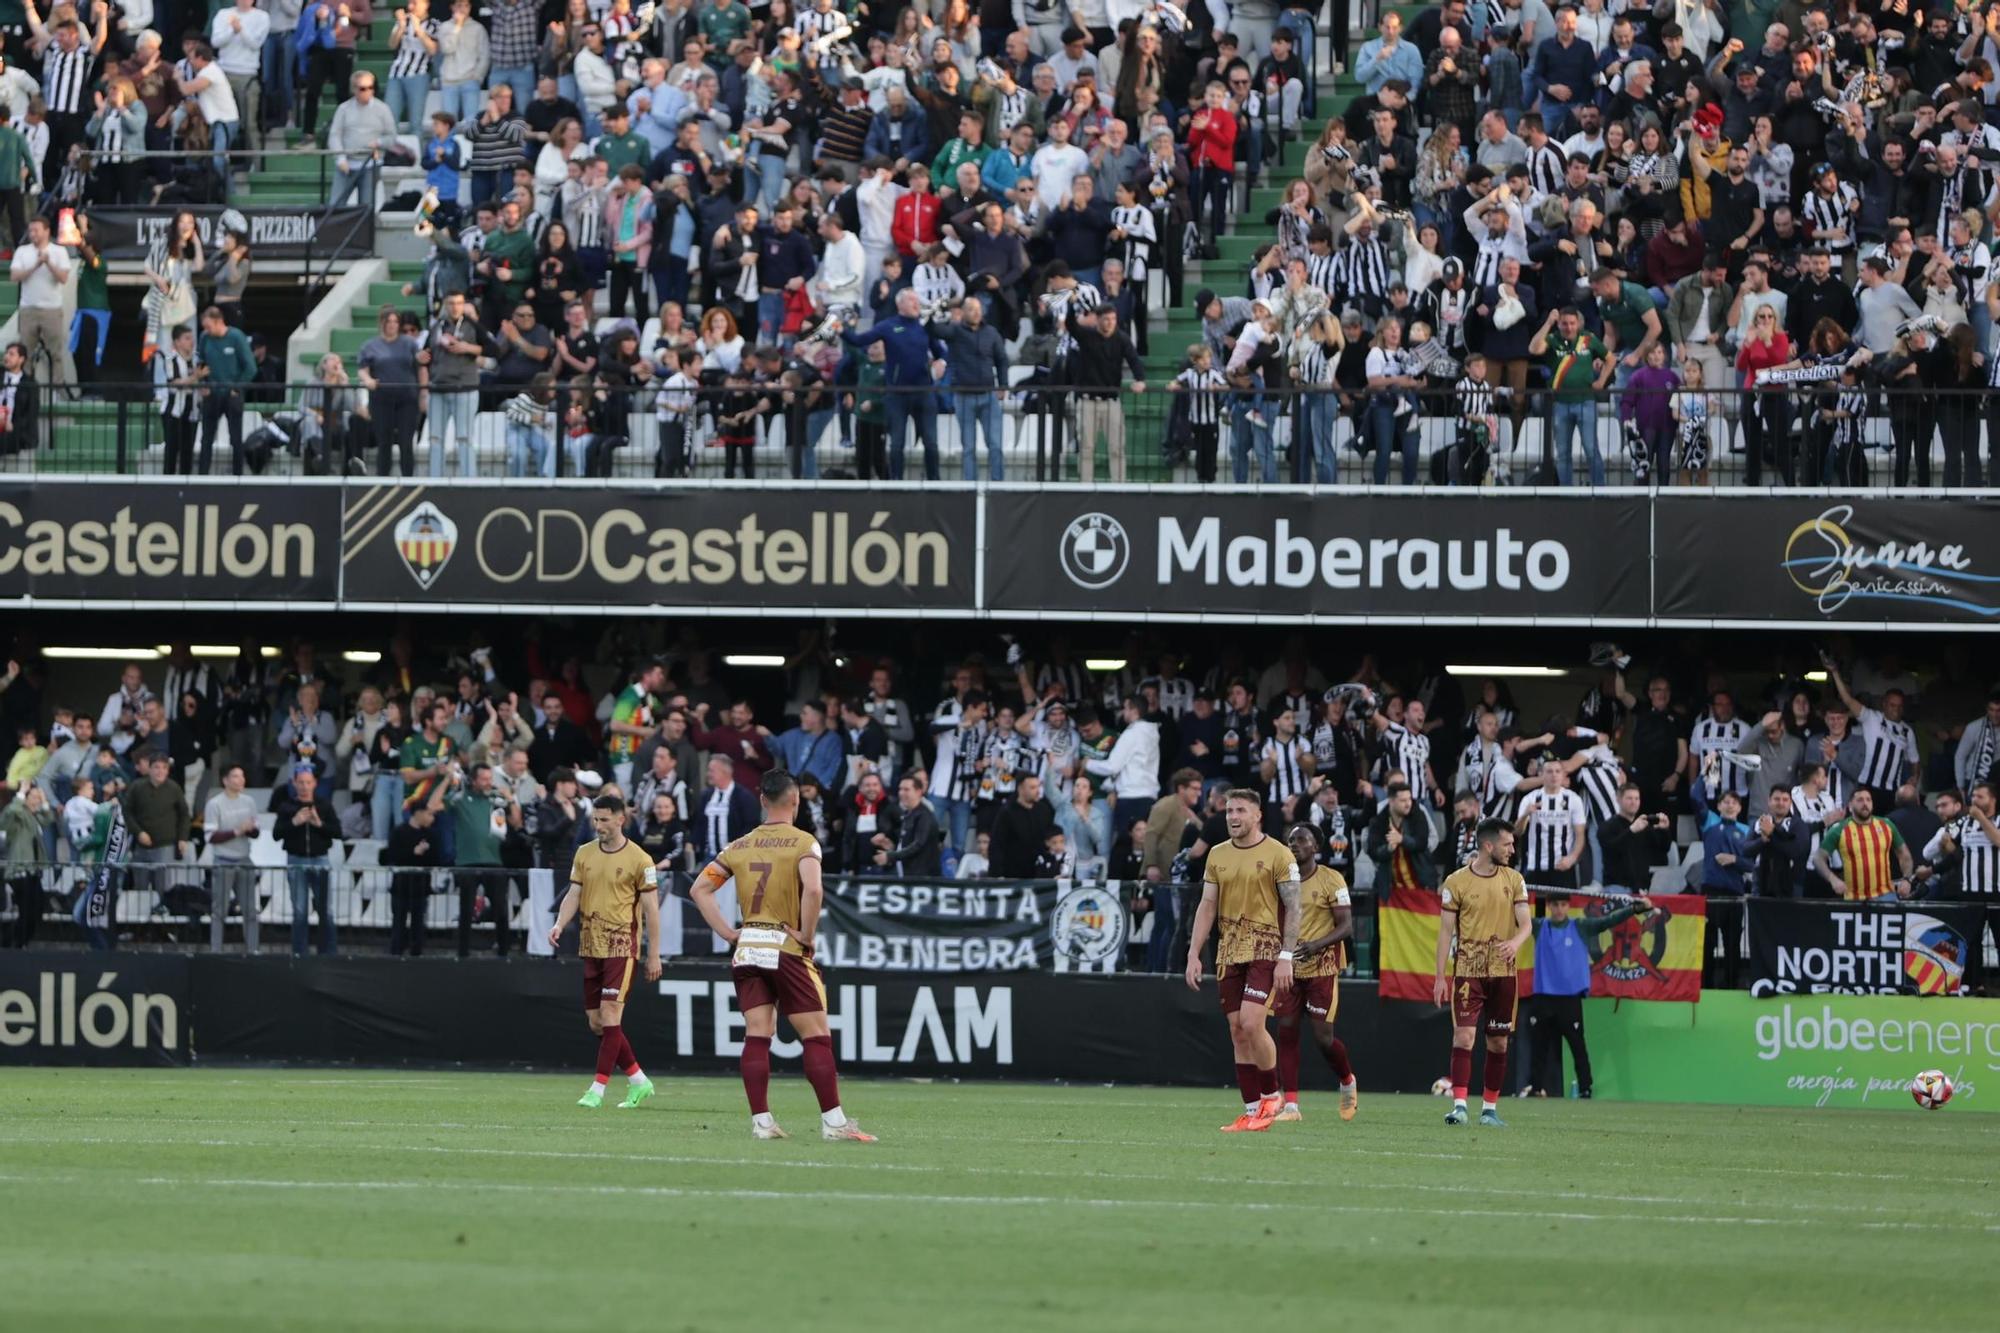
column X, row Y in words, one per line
column 1653, row 956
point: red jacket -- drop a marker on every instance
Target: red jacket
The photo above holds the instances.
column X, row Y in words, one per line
column 1754, row 356
column 1213, row 144
column 914, row 227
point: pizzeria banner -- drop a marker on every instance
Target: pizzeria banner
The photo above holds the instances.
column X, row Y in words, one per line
column 1294, row 554
column 899, row 925
column 1839, row 560
column 274, row 233
column 1865, row 949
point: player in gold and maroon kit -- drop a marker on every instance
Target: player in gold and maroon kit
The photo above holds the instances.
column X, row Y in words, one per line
column 612, row 887
column 1252, row 888
column 1484, row 909
column 1326, row 923
column 776, row 869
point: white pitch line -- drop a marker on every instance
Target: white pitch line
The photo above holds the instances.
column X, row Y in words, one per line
column 984, row 1201
column 668, row 1159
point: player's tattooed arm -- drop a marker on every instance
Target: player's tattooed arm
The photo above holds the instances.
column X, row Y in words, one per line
column 1288, row 902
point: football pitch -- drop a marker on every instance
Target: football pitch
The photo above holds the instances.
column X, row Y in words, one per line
column 243, row 1198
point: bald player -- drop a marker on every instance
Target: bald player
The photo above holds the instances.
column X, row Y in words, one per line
column 1484, row 912
column 1251, row 887
column 776, row 867
column 612, row 886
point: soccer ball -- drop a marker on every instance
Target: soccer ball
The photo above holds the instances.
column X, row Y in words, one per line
column 1442, row 1088
column 1931, row 1089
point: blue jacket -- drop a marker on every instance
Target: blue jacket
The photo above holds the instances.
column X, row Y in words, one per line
column 1724, row 835
column 908, row 347
column 308, row 35
column 823, row 756
column 916, row 129
column 1562, row 954
column 1575, row 68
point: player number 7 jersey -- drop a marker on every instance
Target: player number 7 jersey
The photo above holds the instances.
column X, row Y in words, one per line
column 765, row 864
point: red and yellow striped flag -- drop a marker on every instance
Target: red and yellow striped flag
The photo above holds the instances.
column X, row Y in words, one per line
column 1406, row 931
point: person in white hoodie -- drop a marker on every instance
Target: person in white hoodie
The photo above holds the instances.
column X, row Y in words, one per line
column 1133, row 766
column 842, row 267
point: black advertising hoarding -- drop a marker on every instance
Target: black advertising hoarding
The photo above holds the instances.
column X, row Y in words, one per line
column 899, row 925
column 815, row 548
column 1294, row 554
column 1864, row 949
column 1085, row 1028
column 1823, row 559
column 118, row 541
column 274, row 233
column 94, row 1009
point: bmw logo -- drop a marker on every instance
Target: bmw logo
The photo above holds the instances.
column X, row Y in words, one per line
column 1095, row 550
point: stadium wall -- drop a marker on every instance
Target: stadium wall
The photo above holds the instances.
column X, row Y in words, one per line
column 375, row 1011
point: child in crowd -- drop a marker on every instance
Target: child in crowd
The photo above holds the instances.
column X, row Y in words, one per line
column 736, row 423
column 531, row 422
column 1204, row 387
column 1693, row 409
column 1647, row 411
column 1474, row 458
column 674, row 409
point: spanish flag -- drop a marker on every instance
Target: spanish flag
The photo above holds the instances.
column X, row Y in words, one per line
column 1654, row 956
column 1407, row 940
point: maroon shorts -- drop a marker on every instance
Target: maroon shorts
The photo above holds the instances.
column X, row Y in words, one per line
column 1237, row 982
column 794, row 986
column 1318, row 996
column 607, row 979
column 1490, row 997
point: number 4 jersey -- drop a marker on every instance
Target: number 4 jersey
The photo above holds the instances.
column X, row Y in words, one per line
column 765, row 864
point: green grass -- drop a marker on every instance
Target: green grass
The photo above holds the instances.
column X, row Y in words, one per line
column 294, row 1199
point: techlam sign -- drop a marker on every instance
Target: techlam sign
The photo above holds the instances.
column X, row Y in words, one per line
column 874, row 1027
column 823, row 547
column 1291, row 554
column 131, row 1011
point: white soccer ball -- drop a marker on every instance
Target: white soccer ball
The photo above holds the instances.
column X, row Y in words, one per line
column 1442, row 1088
column 1931, row 1089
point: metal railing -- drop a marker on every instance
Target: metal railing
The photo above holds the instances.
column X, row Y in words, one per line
column 1280, row 436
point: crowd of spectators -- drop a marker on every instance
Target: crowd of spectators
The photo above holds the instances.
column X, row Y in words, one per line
column 1667, row 234
column 1013, row 766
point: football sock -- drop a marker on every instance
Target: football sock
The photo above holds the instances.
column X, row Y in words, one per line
column 756, row 1065
column 1267, row 1082
column 1246, row 1083
column 820, row 1073
column 1496, row 1074
column 607, row 1051
column 763, row 1120
column 628, row 1063
column 833, row 1118
column 1288, row 1061
column 1461, row 1072
column 1335, row 1051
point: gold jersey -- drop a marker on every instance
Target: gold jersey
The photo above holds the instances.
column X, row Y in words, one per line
column 1319, row 894
column 1485, row 907
column 610, row 885
column 765, row 864
column 1247, row 909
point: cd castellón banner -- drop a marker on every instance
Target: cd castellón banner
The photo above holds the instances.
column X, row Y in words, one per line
column 1282, row 556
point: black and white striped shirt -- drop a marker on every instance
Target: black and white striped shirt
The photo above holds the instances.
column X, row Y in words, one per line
column 1475, row 399
column 1554, row 818
column 715, row 820
column 1325, row 272
column 1176, row 695
column 1710, row 734
column 175, row 404
column 1478, row 767
column 1365, row 269
column 411, row 57
column 1546, row 169
column 1202, row 394
column 1288, row 767
column 1070, row 675
column 1315, row 362
column 1835, row 212
column 812, row 25
column 1816, row 807
column 1889, row 746
column 1599, row 780
column 1409, row 751
column 66, row 79
column 1979, row 859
